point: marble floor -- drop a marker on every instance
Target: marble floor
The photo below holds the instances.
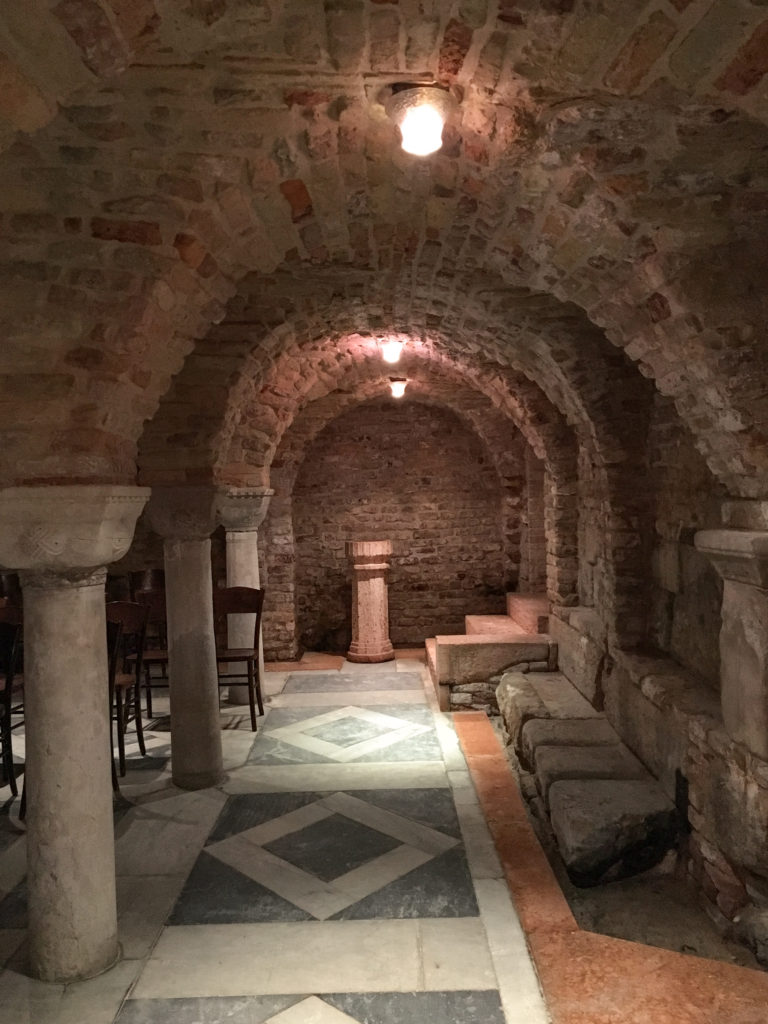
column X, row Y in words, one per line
column 342, row 874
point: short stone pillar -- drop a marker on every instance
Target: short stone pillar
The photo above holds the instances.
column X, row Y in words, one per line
column 741, row 559
column 241, row 511
column 185, row 518
column 60, row 539
column 370, row 603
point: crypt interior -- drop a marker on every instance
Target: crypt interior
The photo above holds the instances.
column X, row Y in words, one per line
column 514, row 641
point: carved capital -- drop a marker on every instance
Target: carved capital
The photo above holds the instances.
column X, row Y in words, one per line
column 183, row 513
column 52, row 579
column 71, row 527
column 242, row 509
column 738, row 555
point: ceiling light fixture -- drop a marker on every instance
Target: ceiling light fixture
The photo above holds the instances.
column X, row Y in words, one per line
column 397, row 386
column 391, row 351
column 420, row 111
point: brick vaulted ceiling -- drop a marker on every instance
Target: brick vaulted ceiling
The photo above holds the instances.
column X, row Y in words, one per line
column 204, row 204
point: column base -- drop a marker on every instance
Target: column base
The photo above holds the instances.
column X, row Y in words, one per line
column 370, row 657
column 198, row 780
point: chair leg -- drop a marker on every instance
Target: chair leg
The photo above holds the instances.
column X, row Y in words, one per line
column 23, row 805
column 258, row 688
column 137, row 716
column 8, row 757
column 251, row 693
column 148, row 686
column 119, row 712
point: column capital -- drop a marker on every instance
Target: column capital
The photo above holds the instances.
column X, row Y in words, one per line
column 242, row 509
column 73, row 527
column 745, row 514
column 183, row 512
column 738, row 555
column 370, row 554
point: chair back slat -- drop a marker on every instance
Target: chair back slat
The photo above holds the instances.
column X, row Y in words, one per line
column 237, row 601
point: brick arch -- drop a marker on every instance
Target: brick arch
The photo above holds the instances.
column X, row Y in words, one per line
column 493, row 426
column 178, row 233
column 147, row 201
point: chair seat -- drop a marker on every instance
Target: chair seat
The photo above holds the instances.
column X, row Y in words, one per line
column 151, row 657
column 124, row 680
column 236, row 653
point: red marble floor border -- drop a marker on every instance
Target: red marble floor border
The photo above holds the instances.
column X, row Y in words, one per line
column 312, row 663
column 588, row 978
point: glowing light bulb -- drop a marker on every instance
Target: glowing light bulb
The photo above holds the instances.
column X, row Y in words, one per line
column 397, row 386
column 391, row 350
column 422, row 130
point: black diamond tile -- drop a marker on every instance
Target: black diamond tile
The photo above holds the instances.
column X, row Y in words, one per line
column 248, row 810
column 440, row 888
column 483, row 1007
column 332, row 847
column 211, row 1010
column 216, row 893
column 346, row 731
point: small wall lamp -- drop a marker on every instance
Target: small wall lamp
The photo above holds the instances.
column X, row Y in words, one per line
column 391, row 351
column 420, row 112
column 397, row 386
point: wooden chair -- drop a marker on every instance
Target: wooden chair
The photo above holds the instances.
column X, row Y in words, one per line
column 239, row 601
column 126, row 667
column 11, row 694
column 156, row 646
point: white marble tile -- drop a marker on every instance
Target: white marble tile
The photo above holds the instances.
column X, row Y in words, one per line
column 261, row 959
column 371, row 877
column 25, row 1001
column 370, row 699
column 480, row 848
column 407, row 831
column 296, row 734
column 143, row 905
column 312, row 1011
column 518, row 984
column 293, row 821
column 323, row 777
column 449, row 744
column 164, row 836
column 456, row 954
column 321, row 899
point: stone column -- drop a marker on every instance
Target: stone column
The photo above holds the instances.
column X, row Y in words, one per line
column 60, row 539
column 241, row 511
column 741, row 558
column 370, row 605
column 185, row 518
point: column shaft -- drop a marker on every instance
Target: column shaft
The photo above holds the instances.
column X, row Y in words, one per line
column 370, row 602
column 196, row 753
column 70, row 836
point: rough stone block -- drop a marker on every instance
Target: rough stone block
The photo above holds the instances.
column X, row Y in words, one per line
column 560, row 696
column 554, row 764
column 580, row 658
column 609, row 829
column 518, row 701
column 580, row 732
column 466, row 659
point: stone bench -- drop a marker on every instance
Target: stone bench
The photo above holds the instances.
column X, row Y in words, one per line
column 609, row 816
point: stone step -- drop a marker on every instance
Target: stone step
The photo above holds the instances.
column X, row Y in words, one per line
column 476, row 657
column 485, row 624
column 530, row 611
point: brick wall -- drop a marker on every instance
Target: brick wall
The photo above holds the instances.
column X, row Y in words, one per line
column 414, row 474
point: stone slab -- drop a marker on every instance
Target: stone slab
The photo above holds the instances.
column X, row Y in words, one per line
column 579, row 732
column 580, row 658
column 560, row 697
column 531, row 611
column 469, row 659
column 485, row 624
column 554, row 764
column 608, row 829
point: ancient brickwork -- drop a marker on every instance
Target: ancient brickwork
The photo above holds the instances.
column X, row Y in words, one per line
column 412, row 474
